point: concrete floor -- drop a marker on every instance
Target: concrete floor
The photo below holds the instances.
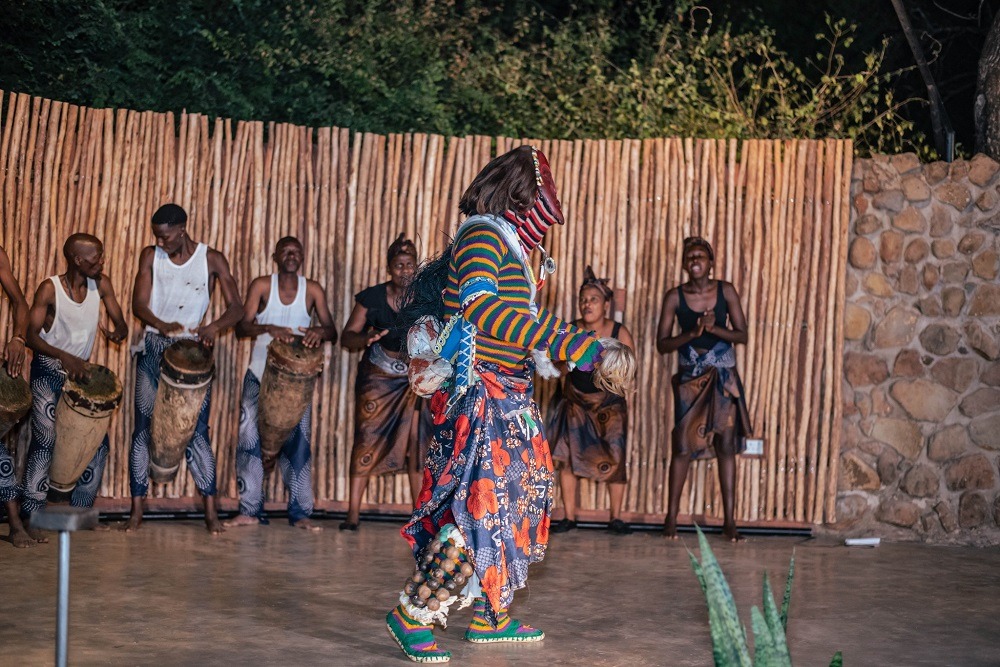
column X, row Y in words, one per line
column 173, row 595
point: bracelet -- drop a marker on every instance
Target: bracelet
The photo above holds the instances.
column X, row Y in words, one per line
column 20, row 338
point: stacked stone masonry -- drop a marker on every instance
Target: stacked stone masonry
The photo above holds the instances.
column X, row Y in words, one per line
column 921, row 444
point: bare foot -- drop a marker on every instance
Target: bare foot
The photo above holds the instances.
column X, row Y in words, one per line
column 212, row 523
column 135, row 519
column 38, row 536
column 731, row 534
column 21, row 539
column 101, row 528
column 306, row 524
column 241, row 520
column 670, row 529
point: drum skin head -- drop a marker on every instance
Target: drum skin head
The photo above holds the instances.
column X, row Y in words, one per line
column 189, row 356
column 101, row 390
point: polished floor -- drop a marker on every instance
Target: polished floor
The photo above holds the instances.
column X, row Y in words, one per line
column 173, row 595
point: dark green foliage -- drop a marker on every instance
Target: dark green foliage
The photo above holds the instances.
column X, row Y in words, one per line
column 591, row 69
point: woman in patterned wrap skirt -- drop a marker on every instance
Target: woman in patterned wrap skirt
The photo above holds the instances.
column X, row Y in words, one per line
column 587, row 425
column 391, row 423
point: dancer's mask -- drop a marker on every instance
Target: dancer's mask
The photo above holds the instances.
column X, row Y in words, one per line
column 547, row 211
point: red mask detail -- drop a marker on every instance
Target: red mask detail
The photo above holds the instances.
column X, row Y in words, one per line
column 547, row 211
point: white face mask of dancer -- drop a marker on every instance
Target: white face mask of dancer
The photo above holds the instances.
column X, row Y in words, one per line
column 532, row 224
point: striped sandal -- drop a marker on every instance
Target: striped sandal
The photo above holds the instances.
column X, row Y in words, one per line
column 416, row 640
column 508, row 630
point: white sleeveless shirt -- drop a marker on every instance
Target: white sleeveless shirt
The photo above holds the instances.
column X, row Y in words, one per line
column 180, row 291
column 74, row 326
column 293, row 316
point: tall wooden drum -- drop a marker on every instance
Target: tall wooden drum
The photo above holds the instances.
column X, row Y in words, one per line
column 185, row 375
column 83, row 415
column 15, row 400
column 286, row 391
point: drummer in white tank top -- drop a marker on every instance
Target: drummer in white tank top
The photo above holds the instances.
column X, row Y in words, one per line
column 62, row 326
column 279, row 306
column 64, row 316
column 172, row 291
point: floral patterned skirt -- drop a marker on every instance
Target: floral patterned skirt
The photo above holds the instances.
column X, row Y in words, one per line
column 489, row 471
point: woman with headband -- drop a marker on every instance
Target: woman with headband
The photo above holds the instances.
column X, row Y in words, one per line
column 587, row 425
column 391, row 424
column 710, row 413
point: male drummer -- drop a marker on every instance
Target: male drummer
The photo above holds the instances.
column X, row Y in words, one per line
column 62, row 328
column 13, row 355
column 172, row 291
column 279, row 306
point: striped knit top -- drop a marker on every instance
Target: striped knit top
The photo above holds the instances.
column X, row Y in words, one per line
column 506, row 330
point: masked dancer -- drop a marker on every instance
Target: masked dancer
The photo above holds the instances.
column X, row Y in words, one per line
column 483, row 512
column 587, row 424
column 711, row 418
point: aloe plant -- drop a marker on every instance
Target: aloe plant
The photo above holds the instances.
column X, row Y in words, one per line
column 729, row 635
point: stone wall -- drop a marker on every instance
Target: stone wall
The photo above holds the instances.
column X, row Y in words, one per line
column 921, row 441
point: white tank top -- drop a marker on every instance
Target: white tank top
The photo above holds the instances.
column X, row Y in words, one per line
column 180, row 291
column 293, row 316
column 74, row 326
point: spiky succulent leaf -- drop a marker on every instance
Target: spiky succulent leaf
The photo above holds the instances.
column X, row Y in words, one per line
column 733, row 649
column 696, row 566
column 838, row 660
column 777, row 628
column 788, row 592
column 764, row 653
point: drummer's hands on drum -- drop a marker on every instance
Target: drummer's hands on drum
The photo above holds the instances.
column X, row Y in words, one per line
column 170, row 328
column 13, row 354
column 375, row 336
column 206, row 334
column 312, row 336
column 284, row 334
column 75, row 367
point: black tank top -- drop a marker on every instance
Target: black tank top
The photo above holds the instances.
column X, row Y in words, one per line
column 688, row 319
column 582, row 381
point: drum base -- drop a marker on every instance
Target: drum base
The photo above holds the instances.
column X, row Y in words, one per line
column 162, row 475
column 60, row 495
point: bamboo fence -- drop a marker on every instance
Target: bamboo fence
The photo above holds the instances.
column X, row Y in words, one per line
column 775, row 211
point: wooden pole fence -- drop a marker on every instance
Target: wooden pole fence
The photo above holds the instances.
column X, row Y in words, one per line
column 775, row 211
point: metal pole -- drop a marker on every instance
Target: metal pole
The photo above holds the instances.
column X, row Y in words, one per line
column 62, row 610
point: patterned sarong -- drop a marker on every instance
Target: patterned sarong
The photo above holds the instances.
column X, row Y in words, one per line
column 10, row 489
column 587, row 432
column 294, row 459
column 488, row 470
column 710, row 409
column 384, row 412
column 199, row 456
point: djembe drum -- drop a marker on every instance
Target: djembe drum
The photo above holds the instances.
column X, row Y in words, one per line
column 186, row 373
column 286, row 391
column 83, row 415
column 15, row 401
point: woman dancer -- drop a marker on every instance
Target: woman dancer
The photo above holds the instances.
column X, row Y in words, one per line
column 588, row 424
column 388, row 416
column 710, row 411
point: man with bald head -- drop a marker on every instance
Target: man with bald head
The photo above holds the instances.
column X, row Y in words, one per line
column 173, row 289
column 62, row 329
